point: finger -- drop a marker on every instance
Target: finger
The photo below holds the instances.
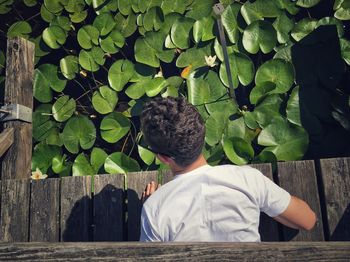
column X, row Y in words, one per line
column 148, row 189
column 153, row 187
column 158, row 186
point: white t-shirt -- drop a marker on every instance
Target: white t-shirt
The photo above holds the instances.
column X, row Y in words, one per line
column 221, row 203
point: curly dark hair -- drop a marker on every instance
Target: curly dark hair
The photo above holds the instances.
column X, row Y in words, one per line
column 173, row 127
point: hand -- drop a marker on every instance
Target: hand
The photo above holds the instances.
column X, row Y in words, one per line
column 149, row 190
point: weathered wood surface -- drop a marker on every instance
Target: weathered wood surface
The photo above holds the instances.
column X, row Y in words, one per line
column 14, row 223
column 268, row 227
column 136, row 183
column 76, row 210
column 108, row 205
column 336, row 184
column 6, row 140
column 19, row 90
column 44, row 210
column 299, row 179
column 127, row 251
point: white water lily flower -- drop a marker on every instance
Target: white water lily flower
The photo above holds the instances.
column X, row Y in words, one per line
column 210, row 60
column 37, row 174
column 159, row 74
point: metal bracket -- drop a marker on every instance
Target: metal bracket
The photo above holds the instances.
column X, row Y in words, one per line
column 218, row 9
column 12, row 112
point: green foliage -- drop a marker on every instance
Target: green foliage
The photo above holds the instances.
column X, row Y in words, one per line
column 97, row 63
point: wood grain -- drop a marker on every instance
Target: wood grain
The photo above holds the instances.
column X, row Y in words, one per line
column 44, row 210
column 336, row 184
column 76, row 211
column 109, row 207
column 6, row 140
column 268, row 227
column 14, row 224
column 136, row 183
column 292, row 251
column 299, row 179
column 19, row 90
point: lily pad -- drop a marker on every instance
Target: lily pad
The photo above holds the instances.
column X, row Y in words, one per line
column 91, row 60
column 145, row 54
column 146, row 155
column 78, row 17
column 69, row 66
column 114, row 127
column 43, row 155
column 127, row 26
column 174, row 6
column 120, row 73
column 79, row 130
column 203, row 29
column 345, row 50
column 293, row 107
column 307, row 3
column 119, row 163
column 259, row 35
column 104, row 100
column 98, row 158
column 63, row 108
column 88, row 36
column 238, row 150
column 180, row 32
column 267, row 109
column 260, row 91
column 54, row 6
column 42, row 124
column 21, row 28
column 153, row 19
column 214, row 126
column 54, row 36
column 112, row 42
column 63, row 22
column 283, row 25
column 303, row 28
column 104, row 23
column 82, row 167
column 229, row 21
column 257, row 10
column 199, row 9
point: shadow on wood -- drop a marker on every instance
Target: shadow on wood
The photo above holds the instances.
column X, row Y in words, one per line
column 342, row 230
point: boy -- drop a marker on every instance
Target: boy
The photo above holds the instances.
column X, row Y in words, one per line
column 205, row 203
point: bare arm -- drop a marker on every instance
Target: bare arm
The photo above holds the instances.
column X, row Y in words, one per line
column 298, row 215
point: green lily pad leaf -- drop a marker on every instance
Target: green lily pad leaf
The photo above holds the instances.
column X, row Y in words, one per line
column 307, row 3
column 198, row 89
column 199, row 9
column 88, row 36
column 42, row 125
column 153, row 19
column 91, row 60
column 277, row 71
column 137, row 90
column 169, row 20
column 250, row 119
column 69, row 66
column 63, row 22
column 218, row 50
column 345, row 50
column 332, row 21
column 287, row 141
column 266, row 157
column 168, row 43
column 46, row 80
column 54, row 6
column 142, row 72
column 180, row 32
column 203, row 29
column 79, row 130
column 155, row 86
column 146, row 155
column 238, row 128
column 119, row 163
column 266, row 110
column 229, row 21
column 54, row 36
column 124, row 6
column 283, row 25
column 303, row 28
column 114, row 126
column 127, row 26
column 145, row 54
column 112, row 42
column 43, row 155
column 290, row 6
column 104, row 6
column 213, row 155
column 98, row 158
column 82, row 167
column 258, row 10
column 174, row 6
column 342, row 12
column 59, row 164
column 284, row 52
column 104, row 100
column 5, row 6
column 261, row 91
column 194, row 56
column 78, row 17
column 41, row 49
column 171, row 91
column 259, row 35
column 75, row 6
column 104, row 23
column 63, row 108
column 46, row 15
column 214, row 126
column 293, row 107
column 241, row 67
column 21, row 28
column 120, row 73
column 238, row 151
column 53, row 137
column 156, row 41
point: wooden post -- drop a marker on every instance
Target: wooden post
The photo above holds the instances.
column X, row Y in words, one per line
column 19, row 90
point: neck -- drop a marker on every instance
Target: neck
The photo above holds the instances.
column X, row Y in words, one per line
column 177, row 170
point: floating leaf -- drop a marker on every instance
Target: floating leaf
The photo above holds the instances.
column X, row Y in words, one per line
column 199, row 9
column 120, row 73
column 257, row 10
column 43, row 155
column 174, row 6
column 153, row 19
column 114, row 126
column 146, row 155
column 112, row 42
column 307, row 3
column 180, row 32
column 88, row 36
column 63, row 22
column 46, row 15
column 104, row 100
column 283, row 25
column 21, row 28
column 203, row 29
column 145, row 54
column 5, row 6
column 63, row 108
column 54, row 36
column 127, row 26
column 214, row 126
column 82, row 167
column 342, row 11
column 267, row 109
column 104, row 23
column 229, row 21
column 303, row 28
column 293, row 107
column 46, row 80
column 345, row 50
column 78, row 17
column 238, row 150
column 98, row 158
column 59, row 164
column 91, row 60
column 54, row 6
column 69, row 66
column 194, row 56
column 332, row 21
column 75, row 6
column 79, row 130
column 119, row 163
column 42, row 125
column 261, row 91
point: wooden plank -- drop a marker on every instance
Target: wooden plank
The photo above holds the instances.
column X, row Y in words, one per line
column 165, row 176
column 76, row 211
column 14, row 210
column 126, row 251
column 299, row 179
column 336, row 184
column 19, row 90
column 109, row 207
column 44, row 210
column 268, row 227
column 6, row 140
column 136, row 183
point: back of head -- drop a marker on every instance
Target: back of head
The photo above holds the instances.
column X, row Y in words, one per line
column 173, row 127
